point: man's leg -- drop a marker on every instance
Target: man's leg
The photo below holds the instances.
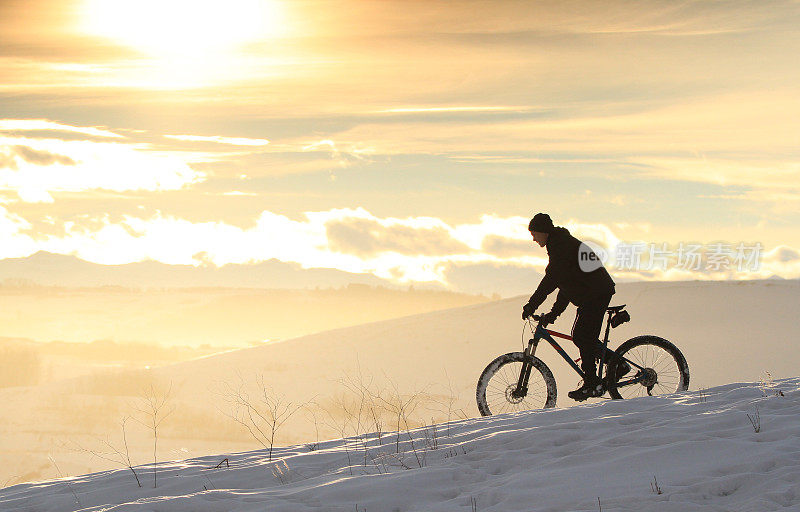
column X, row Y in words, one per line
column 586, row 332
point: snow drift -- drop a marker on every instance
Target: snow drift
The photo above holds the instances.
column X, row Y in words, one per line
column 732, row 447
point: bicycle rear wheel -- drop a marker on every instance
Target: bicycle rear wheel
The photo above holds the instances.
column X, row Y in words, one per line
column 499, row 380
column 663, row 368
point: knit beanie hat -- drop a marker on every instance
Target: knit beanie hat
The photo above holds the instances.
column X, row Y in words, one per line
column 541, row 222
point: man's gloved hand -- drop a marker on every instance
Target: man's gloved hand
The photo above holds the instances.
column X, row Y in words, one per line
column 549, row 318
column 528, row 310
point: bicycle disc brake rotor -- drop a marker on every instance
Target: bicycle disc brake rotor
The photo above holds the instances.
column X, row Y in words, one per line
column 511, row 396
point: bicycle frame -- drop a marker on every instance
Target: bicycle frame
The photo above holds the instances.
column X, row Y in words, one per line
column 546, row 334
column 541, row 333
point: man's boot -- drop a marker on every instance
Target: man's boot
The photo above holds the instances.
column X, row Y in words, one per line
column 592, row 387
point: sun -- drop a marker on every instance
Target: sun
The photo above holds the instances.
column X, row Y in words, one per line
column 184, row 44
column 182, row 28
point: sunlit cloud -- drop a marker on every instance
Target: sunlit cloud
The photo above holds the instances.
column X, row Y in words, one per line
column 15, row 243
column 402, row 251
column 344, row 155
column 771, row 174
column 435, row 110
column 712, row 124
column 234, row 141
column 368, row 237
column 33, row 156
column 12, row 125
column 599, row 234
column 501, row 246
column 36, row 168
column 239, row 193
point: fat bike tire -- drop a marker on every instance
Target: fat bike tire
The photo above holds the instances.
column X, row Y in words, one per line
column 665, row 368
column 500, row 378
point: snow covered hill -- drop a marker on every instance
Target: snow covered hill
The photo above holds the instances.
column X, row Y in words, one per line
column 732, row 447
column 728, row 331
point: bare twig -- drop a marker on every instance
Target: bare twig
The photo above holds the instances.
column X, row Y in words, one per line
column 155, row 408
column 401, row 407
column 69, row 485
column 116, row 455
column 755, row 420
column 9, row 479
column 431, row 436
column 281, row 471
column 765, row 382
column 315, row 445
column 655, row 487
column 455, row 451
column 262, row 417
column 341, row 425
column 224, row 461
column 452, row 398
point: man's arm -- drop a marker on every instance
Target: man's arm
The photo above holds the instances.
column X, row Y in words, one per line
column 560, row 304
column 545, row 288
column 558, row 307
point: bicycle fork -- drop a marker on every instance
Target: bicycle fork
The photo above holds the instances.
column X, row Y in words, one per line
column 525, row 373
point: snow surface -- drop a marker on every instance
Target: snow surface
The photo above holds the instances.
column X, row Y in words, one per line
column 728, row 331
column 699, row 448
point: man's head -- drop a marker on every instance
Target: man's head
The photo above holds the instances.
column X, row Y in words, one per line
column 540, row 227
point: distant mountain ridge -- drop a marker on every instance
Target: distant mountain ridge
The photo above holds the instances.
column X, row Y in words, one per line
column 48, row 269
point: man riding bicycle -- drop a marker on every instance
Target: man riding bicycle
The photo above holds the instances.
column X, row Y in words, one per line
column 582, row 280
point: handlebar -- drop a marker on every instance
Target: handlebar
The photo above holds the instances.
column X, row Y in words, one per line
column 537, row 318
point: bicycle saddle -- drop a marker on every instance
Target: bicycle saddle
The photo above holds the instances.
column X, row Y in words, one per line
column 614, row 309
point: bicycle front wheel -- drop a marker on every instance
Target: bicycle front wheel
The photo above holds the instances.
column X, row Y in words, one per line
column 663, row 368
column 498, row 383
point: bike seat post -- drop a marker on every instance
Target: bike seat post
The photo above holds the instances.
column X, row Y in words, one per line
column 605, row 346
column 608, row 327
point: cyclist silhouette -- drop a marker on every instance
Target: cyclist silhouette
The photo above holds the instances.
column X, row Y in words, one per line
column 582, row 280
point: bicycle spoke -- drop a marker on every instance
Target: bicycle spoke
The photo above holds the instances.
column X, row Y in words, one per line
column 658, row 360
column 504, row 382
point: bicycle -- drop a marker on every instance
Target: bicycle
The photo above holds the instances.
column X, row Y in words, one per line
column 520, row 381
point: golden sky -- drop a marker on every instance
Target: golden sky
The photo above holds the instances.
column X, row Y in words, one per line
column 408, row 139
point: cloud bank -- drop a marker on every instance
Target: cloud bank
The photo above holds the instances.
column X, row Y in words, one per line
column 44, row 161
column 493, row 254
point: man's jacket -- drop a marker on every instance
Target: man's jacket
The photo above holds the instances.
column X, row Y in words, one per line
column 563, row 272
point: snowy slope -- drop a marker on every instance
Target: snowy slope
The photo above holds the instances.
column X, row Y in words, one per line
column 699, row 448
column 728, row 331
